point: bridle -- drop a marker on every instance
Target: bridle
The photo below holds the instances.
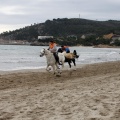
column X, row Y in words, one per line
column 43, row 52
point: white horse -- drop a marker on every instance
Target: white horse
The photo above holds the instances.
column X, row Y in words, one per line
column 51, row 60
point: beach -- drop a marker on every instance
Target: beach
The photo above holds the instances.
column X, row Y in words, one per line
column 92, row 92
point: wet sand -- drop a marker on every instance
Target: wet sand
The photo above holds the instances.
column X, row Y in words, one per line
column 92, row 92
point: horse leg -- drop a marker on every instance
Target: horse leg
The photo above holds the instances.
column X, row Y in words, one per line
column 47, row 68
column 53, row 66
column 62, row 64
column 69, row 64
column 73, row 60
column 58, row 68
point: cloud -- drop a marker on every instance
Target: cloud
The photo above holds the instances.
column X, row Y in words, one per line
column 12, row 10
column 10, row 27
column 16, row 12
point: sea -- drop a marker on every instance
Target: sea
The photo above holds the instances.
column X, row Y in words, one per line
column 19, row 57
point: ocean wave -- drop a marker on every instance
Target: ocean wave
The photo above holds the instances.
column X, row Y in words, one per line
column 111, row 53
column 27, row 57
column 22, row 68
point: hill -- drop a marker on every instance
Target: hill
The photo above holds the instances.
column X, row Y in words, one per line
column 63, row 28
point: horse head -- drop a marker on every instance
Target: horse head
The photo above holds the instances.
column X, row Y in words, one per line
column 42, row 52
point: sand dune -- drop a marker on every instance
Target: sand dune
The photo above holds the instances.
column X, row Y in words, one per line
column 90, row 93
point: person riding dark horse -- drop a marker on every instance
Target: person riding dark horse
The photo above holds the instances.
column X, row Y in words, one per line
column 65, row 48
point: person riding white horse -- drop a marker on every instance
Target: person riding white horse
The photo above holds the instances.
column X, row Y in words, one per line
column 51, row 60
column 53, row 49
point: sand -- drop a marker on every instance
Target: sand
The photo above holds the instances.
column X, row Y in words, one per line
column 92, row 92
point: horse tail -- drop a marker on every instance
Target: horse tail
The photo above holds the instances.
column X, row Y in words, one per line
column 75, row 53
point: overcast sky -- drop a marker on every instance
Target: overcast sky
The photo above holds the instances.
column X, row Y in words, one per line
column 15, row 14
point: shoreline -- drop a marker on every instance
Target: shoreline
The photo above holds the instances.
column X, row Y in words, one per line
column 82, row 71
column 66, row 67
column 95, row 46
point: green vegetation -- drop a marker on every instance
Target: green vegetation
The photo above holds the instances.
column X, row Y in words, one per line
column 67, row 32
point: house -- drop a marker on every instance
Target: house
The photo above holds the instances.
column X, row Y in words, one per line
column 108, row 36
column 112, row 36
column 44, row 37
column 72, row 36
column 116, row 37
column 87, row 35
column 83, row 36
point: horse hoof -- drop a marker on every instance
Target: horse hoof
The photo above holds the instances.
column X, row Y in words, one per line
column 74, row 69
column 49, row 68
column 58, row 75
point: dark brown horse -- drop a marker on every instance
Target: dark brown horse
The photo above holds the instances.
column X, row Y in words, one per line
column 69, row 57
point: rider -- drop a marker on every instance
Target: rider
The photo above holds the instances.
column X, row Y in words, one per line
column 65, row 48
column 53, row 49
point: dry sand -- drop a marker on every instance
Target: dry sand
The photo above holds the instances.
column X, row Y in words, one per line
column 90, row 93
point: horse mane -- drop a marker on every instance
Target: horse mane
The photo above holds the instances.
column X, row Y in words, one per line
column 60, row 50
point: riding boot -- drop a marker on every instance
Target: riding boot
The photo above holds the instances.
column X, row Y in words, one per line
column 57, row 58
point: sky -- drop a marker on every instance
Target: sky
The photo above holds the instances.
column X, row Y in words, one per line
column 16, row 14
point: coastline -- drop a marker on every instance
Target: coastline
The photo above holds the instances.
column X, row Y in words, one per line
column 66, row 67
column 105, row 46
column 91, row 92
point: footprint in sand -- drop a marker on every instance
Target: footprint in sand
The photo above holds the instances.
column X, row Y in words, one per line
column 101, row 108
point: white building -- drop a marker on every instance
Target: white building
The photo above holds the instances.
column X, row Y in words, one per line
column 44, row 37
